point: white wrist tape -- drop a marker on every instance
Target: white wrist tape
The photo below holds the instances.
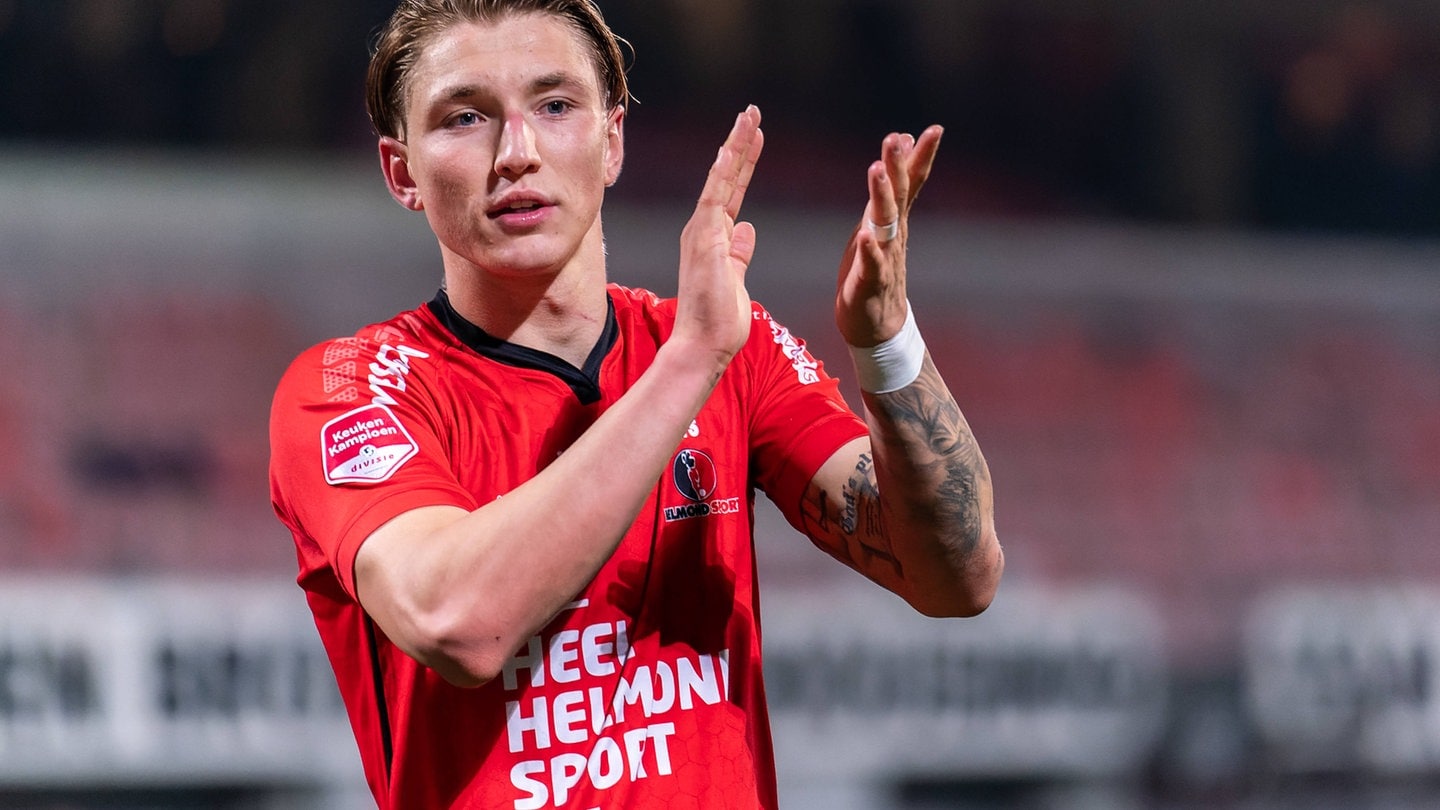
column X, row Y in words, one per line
column 893, row 364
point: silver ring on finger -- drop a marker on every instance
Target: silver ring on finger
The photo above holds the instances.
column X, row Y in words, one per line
column 884, row 233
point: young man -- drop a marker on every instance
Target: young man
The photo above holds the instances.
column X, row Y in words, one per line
column 522, row 511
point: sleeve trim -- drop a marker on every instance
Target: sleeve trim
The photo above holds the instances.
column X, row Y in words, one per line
column 378, row 514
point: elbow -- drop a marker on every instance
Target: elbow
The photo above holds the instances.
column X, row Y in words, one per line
column 462, row 672
column 965, row 603
column 972, row 589
column 458, row 674
column 461, row 655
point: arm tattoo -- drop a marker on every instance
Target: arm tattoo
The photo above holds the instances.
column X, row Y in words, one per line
column 857, row 487
column 922, row 423
column 862, row 523
column 857, row 534
column 936, row 480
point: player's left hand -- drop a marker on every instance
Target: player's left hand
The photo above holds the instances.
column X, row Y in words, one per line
column 870, row 296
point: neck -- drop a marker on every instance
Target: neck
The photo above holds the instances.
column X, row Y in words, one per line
column 560, row 313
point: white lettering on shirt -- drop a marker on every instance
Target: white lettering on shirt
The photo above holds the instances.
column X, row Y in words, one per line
column 584, row 715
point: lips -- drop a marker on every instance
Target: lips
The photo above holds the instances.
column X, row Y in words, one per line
column 519, row 207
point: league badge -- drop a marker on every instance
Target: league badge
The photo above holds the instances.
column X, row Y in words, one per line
column 365, row 446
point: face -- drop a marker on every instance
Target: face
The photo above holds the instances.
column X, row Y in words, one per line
column 508, row 146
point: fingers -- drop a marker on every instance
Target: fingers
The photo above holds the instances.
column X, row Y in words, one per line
column 871, row 296
column 906, row 162
column 881, row 232
column 734, row 166
column 922, row 159
column 883, row 210
column 716, row 249
column 747, row 169
column 742, row 244
column 894, row 154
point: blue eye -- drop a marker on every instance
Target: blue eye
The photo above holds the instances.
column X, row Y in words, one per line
column 556, row 107
column 466, row 119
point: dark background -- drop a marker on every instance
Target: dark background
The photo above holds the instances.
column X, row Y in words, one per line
column 1273, row 115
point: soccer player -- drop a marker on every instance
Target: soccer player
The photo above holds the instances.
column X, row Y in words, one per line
column 522, row 511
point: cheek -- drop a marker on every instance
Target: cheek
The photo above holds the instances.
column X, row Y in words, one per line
column 452, row 210
column 582, row 154
column 454, row 187
column 592, row 167
column 447, row 188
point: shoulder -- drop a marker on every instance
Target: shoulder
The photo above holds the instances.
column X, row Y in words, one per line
column 343, row 368
column 768, row 334
column 772, row 345
column 637, row 302
column 641, row 316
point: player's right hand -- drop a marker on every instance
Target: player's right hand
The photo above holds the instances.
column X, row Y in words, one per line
column 715, row 250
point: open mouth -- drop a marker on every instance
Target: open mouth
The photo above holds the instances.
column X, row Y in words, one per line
column 516, row 207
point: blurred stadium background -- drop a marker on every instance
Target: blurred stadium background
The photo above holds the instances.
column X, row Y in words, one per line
column 1179, row 260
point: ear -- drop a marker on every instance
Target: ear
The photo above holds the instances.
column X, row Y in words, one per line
column 614, row 144
column 395, row 165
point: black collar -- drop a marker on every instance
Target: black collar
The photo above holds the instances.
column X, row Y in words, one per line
column 585, row 382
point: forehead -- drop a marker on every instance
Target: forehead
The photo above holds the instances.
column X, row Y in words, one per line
column 508, row 54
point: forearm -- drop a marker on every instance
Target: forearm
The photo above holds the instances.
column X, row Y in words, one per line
column 932, row 497
column 461, row 591
column 911, row 506
column 914, row 501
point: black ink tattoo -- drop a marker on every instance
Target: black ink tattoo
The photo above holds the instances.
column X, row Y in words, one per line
column 959, row 503
column 861, row 484
column 940, row 487
column 822, row 509
column 863, row 522
column 925, row 414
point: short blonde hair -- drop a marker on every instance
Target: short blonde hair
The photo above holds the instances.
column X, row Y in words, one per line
column 399, row 43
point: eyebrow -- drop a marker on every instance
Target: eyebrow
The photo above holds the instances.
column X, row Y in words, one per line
column 548, row 81
column 460, row 91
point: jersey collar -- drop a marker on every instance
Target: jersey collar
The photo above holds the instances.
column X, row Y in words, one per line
column 585, row 382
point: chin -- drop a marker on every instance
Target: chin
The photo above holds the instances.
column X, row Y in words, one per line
column 523, row 263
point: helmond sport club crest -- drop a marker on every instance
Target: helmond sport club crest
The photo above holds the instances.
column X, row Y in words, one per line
column 695, row 477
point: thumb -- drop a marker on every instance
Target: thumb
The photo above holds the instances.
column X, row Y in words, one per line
column 742, row 244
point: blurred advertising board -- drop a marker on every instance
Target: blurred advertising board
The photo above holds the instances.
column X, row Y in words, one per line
column 141, row 682
column 1046, row 683
column 1345, row 677
column 148, row 681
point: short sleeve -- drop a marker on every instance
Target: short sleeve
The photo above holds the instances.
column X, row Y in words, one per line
column 354, row 442
column 798, row 417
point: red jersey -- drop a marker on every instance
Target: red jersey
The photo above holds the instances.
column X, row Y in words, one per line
column 646, row 690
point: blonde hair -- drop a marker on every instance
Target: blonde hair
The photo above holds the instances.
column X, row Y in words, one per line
column 399, row 43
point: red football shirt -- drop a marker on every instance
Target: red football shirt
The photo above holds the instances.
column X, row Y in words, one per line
column 646, row 691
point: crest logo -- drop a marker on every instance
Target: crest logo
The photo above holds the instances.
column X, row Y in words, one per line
column 696, row 478
column 694, row 475
column 364, row 446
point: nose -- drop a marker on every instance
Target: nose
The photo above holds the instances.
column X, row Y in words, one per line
column 516, row 154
